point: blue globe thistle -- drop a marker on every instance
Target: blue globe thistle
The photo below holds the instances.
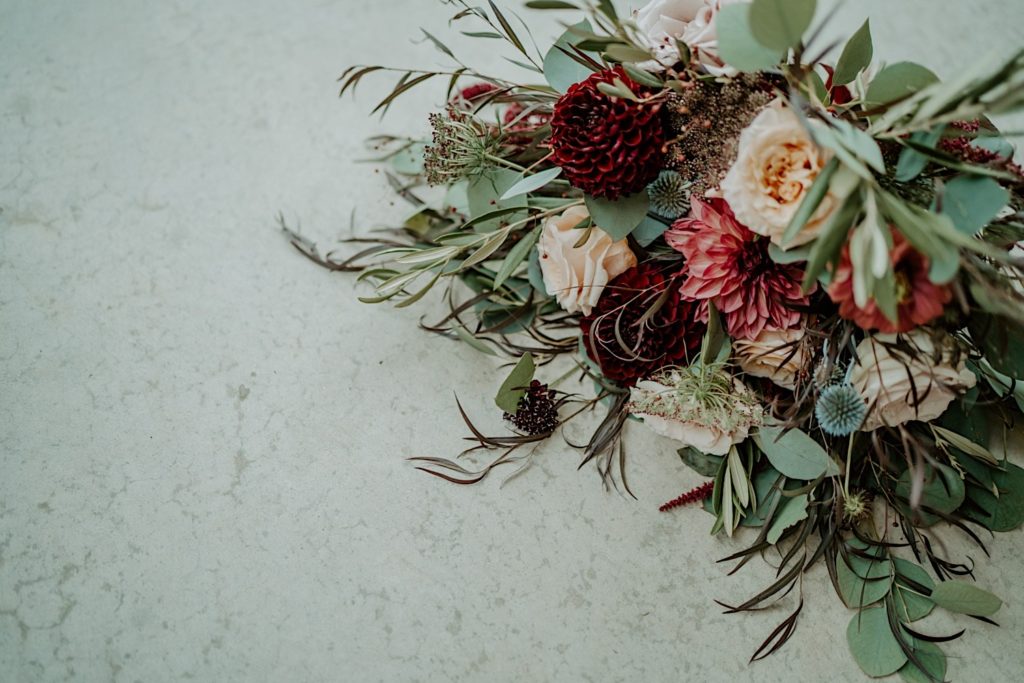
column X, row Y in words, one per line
column 840, row 409
column 670, row 195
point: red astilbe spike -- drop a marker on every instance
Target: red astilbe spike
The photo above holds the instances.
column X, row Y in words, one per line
column 695, row 495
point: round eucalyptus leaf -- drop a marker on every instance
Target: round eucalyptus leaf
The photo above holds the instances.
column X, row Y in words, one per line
column 863, row 581
column 933, row 660
column 872, row 643
column 910, row 604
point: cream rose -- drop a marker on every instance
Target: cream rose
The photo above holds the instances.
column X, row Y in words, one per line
column 576, row 276
column 774, row 354
column 662, row 22
column 776, row 165
column 669, row 412
column 890, row 380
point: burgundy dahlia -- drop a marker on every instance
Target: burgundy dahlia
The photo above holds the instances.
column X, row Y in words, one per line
column 641, row 324
column 608, row 146
column 729, row 265
column 918, row 299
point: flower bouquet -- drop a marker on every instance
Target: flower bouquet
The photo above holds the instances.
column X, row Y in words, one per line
column 805, row 274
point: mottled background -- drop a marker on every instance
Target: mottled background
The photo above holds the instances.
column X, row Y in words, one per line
column 202, row 435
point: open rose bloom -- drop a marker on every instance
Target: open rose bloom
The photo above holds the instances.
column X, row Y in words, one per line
column 663, row 24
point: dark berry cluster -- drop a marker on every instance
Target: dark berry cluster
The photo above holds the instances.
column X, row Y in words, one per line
column 536, row 412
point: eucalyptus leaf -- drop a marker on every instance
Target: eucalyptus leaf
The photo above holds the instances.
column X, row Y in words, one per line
column 910, row 604
column 971, row 202
column 965, row 598
column 736, row 42
column 780, row 24
column 872, row 643
column 862, row 580
column 933, row 660
column 560, row 70
column 791, row 512
column 649, row 230
column 856, row 56
column 912, row 162
column 794, row 453
column 1009, row 507
column 620, row 217
column 515, row 385
column 943, row 491
column 484, row 196
column 409, row 160
column 897, row 81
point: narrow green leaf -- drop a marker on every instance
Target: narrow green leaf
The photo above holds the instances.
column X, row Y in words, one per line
column 831, row 239
column 856, row 56
column 467, row 337
column 515, row 385
column 550, row 4
column 621, row 52
column 516, row 256
column 811, row 201
column 531, row 183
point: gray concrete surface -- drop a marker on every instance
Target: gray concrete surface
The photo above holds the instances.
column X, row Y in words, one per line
column 202, row 435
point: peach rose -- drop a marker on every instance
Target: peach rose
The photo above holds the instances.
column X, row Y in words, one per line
column 890, row 380
column 774, row 354
column 576, row 276
column 776, row 165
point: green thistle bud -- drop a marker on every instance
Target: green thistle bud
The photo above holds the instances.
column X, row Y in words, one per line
column 670, row 195
column 840, row 409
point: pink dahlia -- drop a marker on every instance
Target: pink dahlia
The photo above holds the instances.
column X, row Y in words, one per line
column 729, row 265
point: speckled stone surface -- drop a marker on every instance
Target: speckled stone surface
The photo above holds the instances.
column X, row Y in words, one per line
column 202, row 435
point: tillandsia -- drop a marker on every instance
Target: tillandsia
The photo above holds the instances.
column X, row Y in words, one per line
column 805, row 275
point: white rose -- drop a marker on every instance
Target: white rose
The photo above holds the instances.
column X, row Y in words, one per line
column 776, row 165
column 680, row 418
column 775, row 354
column 890, row 380
column 576, row 276
column 663, row 22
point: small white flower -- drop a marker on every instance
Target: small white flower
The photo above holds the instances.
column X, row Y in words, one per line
column 576, row 276
column 710, row 412
column 662, row 22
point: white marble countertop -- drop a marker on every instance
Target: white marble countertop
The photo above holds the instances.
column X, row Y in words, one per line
column 202, row 435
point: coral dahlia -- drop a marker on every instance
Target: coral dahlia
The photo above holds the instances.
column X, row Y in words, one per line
column 642, row 324
column 607, row 146
column 918, row 299
column 729, row 265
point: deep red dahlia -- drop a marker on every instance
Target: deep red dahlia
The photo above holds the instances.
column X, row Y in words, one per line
column 729, row 265
column 629, row 342
column 919, row 300
column 607, row 146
